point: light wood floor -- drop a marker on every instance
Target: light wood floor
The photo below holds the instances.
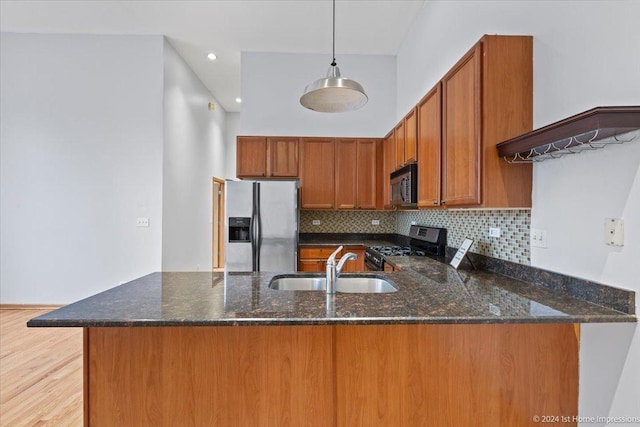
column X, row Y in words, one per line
column 40, row 372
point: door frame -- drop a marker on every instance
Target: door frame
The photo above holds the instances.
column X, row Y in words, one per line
column 217, row 224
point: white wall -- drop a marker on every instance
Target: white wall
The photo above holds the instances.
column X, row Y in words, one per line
column 233, row 130
column 583, row 50
column 194, row 152
column 81, row 159
column 272, row 84
column 585, row 55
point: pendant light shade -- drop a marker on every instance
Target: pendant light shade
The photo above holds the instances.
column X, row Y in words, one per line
column 334, row 94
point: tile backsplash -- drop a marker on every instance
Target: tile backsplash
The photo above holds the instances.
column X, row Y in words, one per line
column 514, row 224
column 347, row 222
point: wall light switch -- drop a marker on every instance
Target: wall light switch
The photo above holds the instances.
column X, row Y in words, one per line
column 315, row 222
column 614, row 231
column 375, row 222
column 142, row 222
column 538, row 238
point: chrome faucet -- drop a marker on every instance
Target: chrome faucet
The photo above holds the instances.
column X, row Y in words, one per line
column 333, row 271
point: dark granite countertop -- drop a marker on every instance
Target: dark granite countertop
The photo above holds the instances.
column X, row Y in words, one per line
column 428, row 292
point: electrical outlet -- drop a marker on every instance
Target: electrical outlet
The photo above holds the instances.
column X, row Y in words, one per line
column 413, row 223
column 142, row 222
column 494, row 309
column 494, row 232
column 375, row 222
column 315, row 222
column 614, row 232
column 538, row 238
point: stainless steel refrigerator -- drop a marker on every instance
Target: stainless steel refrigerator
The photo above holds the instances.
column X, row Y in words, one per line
column 261, row 232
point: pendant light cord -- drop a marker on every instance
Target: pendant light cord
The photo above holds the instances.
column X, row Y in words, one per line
column 333, row 64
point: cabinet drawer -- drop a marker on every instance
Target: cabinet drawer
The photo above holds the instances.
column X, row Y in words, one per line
column 316, row 252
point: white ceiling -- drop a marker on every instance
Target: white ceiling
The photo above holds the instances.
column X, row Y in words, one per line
column 226, row 27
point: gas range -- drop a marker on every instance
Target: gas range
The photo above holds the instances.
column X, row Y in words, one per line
column 424, row 241
column 397, row 251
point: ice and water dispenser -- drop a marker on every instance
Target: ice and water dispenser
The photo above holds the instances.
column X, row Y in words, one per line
column 239, row 229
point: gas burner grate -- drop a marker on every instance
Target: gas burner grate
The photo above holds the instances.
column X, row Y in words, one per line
column 398, row 251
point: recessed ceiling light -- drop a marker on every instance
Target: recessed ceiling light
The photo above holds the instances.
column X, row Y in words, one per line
column 212, row 56
column 238, row 100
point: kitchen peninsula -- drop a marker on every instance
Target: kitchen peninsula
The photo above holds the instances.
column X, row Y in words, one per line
column 448, row 348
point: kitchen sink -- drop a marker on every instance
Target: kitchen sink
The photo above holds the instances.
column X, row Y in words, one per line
column 364, row 285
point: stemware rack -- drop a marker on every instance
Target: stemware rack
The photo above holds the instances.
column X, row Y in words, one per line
column 590, row 130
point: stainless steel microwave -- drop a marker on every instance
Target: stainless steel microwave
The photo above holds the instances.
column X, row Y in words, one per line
column 404, row 186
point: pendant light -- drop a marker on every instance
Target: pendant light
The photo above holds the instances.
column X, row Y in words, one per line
column 334, row 94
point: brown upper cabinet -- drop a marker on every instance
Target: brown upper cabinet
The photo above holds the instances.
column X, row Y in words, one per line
column 317, row 173
column 267, row 157
column 366, row 160
column 251, row 156
column 399, row 138
column 462, row 111
column 283, row 156
column 389, row 165
column 429, row 148
column 406, row 139
column 411, row 137
column 355, row 173
column 346, row 173
column 487, row 97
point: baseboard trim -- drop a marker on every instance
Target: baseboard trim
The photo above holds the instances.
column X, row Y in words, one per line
column 30, row 306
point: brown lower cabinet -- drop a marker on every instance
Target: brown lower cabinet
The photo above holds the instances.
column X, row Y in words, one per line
column 331, row 375
column 314, row 258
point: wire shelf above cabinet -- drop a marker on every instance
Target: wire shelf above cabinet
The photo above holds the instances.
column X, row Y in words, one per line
column 590, row 130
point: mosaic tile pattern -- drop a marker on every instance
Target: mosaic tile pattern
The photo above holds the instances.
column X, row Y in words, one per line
column 347, row 222
column 512, row 245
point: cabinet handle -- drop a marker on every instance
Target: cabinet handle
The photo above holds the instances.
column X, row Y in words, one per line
column 435, row 202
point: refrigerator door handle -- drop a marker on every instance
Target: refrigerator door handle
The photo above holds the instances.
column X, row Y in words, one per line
column 256, row 237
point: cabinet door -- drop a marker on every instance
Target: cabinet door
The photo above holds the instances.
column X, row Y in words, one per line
column 251, row 156
column 317, row 173
column 389, row 166
column 311, row 265
column 429, row 148
column 283, row 157
column 366, row 174
column 346, row 173
column 399, row 135
column 411, row 137
column 461, row 131
column 354, row 265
